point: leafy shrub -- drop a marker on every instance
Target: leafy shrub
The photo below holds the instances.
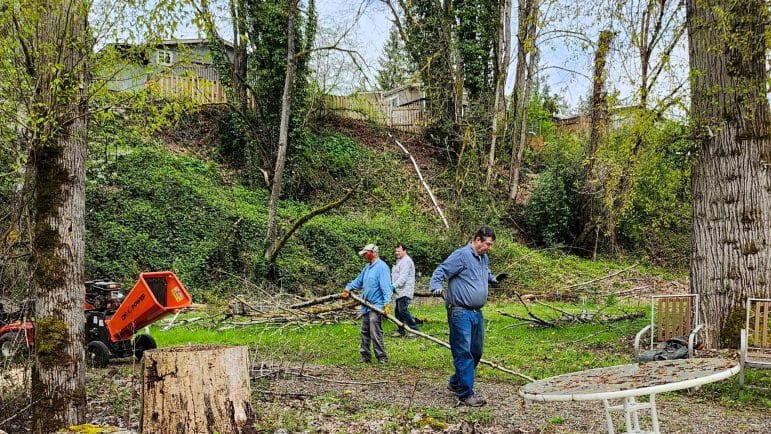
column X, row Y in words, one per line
column 323, row 163
column 654, row 211
column 551, row 210
column 550, row 213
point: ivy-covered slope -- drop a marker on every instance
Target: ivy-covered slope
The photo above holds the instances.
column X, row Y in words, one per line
column 151, row 206
column 155, row 209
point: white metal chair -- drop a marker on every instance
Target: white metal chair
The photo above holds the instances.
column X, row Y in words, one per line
column 755, row 345
column 671, row 316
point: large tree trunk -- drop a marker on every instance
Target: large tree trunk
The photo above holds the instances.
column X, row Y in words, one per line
column 588, row 238
column 731, row 251
column 526, row 34
column 502, row 71
column 198, row 389
column 283, row 135
column 58, row 123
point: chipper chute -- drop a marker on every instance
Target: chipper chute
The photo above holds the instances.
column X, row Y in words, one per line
column 154, row 296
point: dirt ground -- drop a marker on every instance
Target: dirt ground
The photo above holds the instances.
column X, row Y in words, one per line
column 376, row 398
column 418, row 402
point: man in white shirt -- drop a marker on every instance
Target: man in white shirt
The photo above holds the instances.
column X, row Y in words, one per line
column 403, row 279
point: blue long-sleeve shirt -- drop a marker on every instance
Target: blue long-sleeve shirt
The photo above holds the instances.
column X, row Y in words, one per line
column 467, row 275
column 375, row 283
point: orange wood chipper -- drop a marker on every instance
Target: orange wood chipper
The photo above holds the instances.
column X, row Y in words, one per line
column 112, row 319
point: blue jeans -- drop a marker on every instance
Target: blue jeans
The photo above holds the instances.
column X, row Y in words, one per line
column 403, row 315
column 467, row 335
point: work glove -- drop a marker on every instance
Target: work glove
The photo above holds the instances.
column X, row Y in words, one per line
column 500, row 277
column 437, row 292
column 387, row 309
column 345, row 294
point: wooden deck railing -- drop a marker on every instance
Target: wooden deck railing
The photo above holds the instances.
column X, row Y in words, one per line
column 367, row 107
column 199, row 90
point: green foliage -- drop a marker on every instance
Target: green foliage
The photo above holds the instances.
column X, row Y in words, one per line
column 396, row 68
column 323, row 161
column 151, row 209
column 550, row 213
column 252, row 131
column 429, row 48
column 648, row 193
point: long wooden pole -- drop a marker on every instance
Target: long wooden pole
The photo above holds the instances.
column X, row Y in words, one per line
column 433, row 339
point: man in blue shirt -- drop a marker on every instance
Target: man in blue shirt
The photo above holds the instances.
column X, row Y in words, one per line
column 375, row 283
column 467, row 274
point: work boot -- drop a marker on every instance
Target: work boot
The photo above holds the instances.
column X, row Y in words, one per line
column 473, row 401
column 397, row 335
column 383, row 361
column 365, row 360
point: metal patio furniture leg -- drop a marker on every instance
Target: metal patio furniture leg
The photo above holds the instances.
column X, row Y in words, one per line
column 654, row 414
column 628, row 409
column 608, row 418
column 635, row 415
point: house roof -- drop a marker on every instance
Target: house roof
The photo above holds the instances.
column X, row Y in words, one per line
column 387, row 93
column 191, row 41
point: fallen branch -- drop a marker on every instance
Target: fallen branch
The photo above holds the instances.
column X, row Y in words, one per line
column 315, row 301
column 530, row 313
column 565, row 313
column 538, row 321
column 589, row 282
column 425, row 185
column 272, row 251
column 433, row 339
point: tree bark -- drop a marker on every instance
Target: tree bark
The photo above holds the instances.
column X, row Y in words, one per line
column 200, row 389
column 56, row 61
column 521, row 141
column 526, row 33
column 283, row 135
column 731, row 243
column 499, row 103
column 587, row 214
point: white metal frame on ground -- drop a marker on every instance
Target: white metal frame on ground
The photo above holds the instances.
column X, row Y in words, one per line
column 630, row 406
column 744, row 359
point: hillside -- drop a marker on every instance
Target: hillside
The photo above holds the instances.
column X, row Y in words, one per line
column 173, row 201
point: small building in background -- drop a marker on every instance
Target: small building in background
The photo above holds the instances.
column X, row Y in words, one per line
column 408, row 95
column 180, row 68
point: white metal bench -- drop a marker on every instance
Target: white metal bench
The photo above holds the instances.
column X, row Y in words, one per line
column 755, row 345
column 671, row 316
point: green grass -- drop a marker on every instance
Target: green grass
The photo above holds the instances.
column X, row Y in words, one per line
column 538, row 353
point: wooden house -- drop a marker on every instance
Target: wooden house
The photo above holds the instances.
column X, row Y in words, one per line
column 180, row 68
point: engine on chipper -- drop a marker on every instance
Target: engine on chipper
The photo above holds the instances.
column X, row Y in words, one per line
column 103, row 298
column 112, row 319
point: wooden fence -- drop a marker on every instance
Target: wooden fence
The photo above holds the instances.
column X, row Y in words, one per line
column 368, row 107
column 199, row 90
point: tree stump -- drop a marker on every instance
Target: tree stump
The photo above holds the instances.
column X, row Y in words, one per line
column 197, row 389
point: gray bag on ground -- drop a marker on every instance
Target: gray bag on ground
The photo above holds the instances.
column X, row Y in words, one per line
column 676, row 348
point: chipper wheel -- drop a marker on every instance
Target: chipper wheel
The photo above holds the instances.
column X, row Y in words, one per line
column 13, row 346
column 97, row 354
column 143, row 343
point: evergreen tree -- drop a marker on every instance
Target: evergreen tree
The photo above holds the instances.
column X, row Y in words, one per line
column 396, row 67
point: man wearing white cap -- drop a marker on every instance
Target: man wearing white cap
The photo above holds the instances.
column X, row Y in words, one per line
column 375, row 283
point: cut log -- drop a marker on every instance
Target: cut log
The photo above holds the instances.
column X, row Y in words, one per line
column 197, row 389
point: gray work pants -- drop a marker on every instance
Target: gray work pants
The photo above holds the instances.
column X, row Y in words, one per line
column 372, row 331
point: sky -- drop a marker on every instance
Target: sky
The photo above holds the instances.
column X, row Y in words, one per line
column 565, row 63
